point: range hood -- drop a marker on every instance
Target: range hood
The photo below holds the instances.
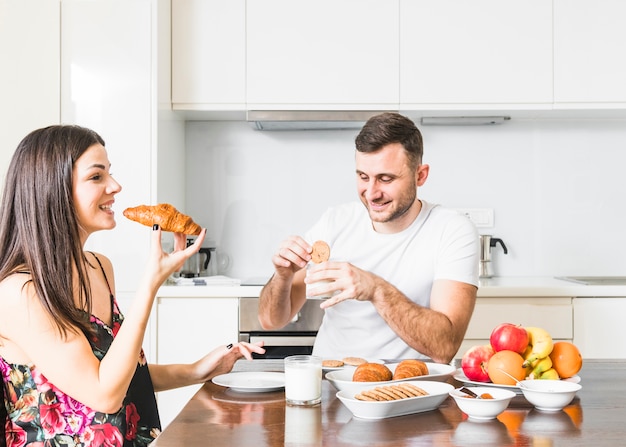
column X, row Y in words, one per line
column 309, row 119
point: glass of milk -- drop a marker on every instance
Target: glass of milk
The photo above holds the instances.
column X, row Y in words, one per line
column 310, row 288
column 303, row 380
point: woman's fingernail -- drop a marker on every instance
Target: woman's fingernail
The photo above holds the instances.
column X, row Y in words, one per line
column 155, row 227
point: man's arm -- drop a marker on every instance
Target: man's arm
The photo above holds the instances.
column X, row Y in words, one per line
column 281, row 298
column 285, row 293
column 436, row 332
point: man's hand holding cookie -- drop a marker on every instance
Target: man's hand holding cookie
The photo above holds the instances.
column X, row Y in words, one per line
column 320, row 252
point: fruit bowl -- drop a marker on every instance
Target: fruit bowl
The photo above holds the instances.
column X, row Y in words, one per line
column 549, row 395
column 482, row 409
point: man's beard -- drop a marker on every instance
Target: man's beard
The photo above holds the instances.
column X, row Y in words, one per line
column 405, row 204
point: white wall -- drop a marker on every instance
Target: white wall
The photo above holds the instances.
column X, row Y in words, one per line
column 556, row 186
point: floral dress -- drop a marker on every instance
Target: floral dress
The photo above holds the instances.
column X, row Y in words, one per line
column 36, row 413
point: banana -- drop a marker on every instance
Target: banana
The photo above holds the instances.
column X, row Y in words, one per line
column 550, row 374
column 542, row 344
column 526, row 354
column 541, row 366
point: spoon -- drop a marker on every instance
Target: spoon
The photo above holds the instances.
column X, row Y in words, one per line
column 517, row 382
column 470, row 392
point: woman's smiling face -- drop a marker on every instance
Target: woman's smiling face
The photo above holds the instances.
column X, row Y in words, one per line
column 94, row 189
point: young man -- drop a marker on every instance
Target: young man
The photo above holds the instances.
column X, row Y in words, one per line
column 403, row 272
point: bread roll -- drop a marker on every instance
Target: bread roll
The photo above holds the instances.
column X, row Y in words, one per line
column 371, row 372
column 164, row 214
column 410, row 368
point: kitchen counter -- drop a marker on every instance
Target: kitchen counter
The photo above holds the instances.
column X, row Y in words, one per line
column 595, row 417
column 540, row 287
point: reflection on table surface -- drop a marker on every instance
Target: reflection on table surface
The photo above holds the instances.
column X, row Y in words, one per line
column 595, row 417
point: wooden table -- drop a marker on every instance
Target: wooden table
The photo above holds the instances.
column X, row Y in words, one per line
column 217, row 416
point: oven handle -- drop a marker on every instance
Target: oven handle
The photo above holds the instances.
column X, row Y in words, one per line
column 273, row 340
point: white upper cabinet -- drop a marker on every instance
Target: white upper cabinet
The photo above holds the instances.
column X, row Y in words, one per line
column 208, row 54
column 324, row 54
column 589, row 59
column 479, row 54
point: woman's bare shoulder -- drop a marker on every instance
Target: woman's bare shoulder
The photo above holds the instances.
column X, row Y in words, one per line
column 14, row 288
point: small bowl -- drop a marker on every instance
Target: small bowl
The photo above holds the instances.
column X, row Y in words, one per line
column 483, row 409
column 549, row 395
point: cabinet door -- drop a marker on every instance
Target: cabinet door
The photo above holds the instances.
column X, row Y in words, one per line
column 553, row 314
column 187, row 329
column 599, row 330
column 589, row 62
column 208, row 54
column 459, row 53
column 29, row 79
column 324, row 54
column 107, row 85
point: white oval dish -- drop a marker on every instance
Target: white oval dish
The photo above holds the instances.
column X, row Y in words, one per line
column 342, row 379
column 460, row 376
column 437, row 393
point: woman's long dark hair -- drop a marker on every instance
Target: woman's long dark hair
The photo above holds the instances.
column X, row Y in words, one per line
column 39, row 228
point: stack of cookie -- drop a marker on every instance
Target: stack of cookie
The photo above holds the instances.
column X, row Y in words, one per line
column 403, row 390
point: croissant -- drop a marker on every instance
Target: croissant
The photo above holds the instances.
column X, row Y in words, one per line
column 410, row 368
column 371, row 372
column 164, row 214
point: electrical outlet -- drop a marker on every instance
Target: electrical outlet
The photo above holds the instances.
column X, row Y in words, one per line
column 482, row 217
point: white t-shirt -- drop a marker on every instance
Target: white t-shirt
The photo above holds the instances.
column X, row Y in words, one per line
column 440, row 244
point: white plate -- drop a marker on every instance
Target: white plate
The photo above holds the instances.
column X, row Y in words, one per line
column 437, row 393
column 342, row 379
column 461, row 377
column 251, row 382
column 335, row 368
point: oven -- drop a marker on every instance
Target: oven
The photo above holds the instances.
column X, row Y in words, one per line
column 295, row 338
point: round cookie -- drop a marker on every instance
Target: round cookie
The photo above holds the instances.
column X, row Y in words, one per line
column 321, row 252
column 354, row 361
column 332, row 363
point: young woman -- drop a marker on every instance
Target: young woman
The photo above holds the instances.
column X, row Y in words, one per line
column 72, row 368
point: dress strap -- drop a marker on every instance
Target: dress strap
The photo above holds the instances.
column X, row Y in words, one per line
column 103, row 274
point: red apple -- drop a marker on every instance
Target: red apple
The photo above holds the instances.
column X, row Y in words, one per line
column 509, row 337
column 474, row 362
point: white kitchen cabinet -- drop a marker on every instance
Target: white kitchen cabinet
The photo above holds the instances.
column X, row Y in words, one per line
column 109, row 84
column 554, row 314
column 475, row 55
column 323, row 54
column 29, row 79
column 589, row 62
column 599, row 330
column 208, row 54
column 187, row 329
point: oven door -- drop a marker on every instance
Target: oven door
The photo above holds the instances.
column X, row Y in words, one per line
column 279, row 345
column 295, row 338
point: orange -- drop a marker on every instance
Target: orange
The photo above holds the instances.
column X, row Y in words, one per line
column 507, row 361
column 566, row 359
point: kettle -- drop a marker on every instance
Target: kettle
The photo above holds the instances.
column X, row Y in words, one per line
column 487, row 242
column 197, row 263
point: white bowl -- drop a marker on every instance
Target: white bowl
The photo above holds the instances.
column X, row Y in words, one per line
column 437, row 393
column 549, row 395
column 342, row 379
column 483, row 409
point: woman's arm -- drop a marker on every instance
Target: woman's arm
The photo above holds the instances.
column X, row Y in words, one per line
column 219, row 361
column 69, row 363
